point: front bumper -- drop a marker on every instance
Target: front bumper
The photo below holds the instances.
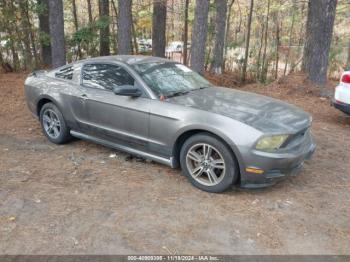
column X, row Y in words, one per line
column 345, row 108
column 276, row 166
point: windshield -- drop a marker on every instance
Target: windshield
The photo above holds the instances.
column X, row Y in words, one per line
column 167, row 78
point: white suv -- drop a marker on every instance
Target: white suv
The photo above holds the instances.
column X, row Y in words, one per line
column 341, row 99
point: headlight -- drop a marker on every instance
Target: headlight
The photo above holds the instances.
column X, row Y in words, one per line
column 271, row 142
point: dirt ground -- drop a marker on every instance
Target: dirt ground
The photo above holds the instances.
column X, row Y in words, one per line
column 83, row 198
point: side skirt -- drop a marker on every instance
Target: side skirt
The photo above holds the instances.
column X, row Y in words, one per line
column 169, row 162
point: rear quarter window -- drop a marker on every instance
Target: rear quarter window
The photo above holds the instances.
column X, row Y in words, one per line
column 65, row 73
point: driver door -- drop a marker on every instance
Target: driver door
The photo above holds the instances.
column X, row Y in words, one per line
column 120, row 119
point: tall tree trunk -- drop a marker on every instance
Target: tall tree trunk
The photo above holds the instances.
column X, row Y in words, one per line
column 227, row 32
column 319, row 32
column 23, row 5
column 348, row 60
column 258, row 63
column 220, row 28
column 290, row 43
column 76, row 25
column 31, row 35
column 114, row 36
column 44, row 28
column 199, row 35
column 187, row 3
column 57, row 33
column 172, row 20
column 278, row 41
column 124, row 27
column 238, row 30
column 158, row 28
column 265, row 64
column 134, row 37
column 210, row 37
column 114, row 28
column 90, row 46
column 247, row 42
column 302, row 24
column 104, row 30
column 89, row 11
column 75, row 16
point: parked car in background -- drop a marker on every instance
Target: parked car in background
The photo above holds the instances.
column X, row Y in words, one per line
column 144, row 45
column 174, row 47
column 144, row 41
column 341, row 98
column 162, row 110
column 3, row 43
column 145, row 48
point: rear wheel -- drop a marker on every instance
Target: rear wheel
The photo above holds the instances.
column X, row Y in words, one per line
column 208, row 163
column 53, row 124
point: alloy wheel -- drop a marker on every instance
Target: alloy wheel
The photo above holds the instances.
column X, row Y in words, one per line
column 205, row 164
column 51, row 123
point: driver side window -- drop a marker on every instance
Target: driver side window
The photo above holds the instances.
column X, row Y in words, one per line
column 106, row 76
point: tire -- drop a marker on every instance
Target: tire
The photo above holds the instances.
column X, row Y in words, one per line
column 215, row 173
column 57, row 123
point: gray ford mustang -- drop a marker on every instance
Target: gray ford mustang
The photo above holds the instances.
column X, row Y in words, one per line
column 163, row 111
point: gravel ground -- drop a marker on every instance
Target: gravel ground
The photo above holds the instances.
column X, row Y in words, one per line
column 83, row 198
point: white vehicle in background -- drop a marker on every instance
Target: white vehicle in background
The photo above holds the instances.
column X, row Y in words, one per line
column 144, row 48
column 175, row 47
column 341, row 99
column 144, row 45
column 3, row 43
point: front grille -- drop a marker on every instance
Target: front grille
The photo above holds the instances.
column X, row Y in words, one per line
column 296, row 138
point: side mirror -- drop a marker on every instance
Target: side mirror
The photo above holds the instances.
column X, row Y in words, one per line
column 127, row 90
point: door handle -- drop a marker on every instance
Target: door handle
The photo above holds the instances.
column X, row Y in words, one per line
column 83, row 95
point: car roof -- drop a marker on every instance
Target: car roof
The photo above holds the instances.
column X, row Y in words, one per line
column 127, row 59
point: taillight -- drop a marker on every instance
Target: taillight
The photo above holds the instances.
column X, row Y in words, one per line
column 346, row 78
column 338, row 102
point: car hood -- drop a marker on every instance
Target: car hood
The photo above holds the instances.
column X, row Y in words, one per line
column 263, row 113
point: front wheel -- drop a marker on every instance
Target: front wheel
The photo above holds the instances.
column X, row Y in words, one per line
column 208, row 163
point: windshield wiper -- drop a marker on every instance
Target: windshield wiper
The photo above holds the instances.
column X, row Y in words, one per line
column 200, row 88
column 177, row 93
column 181, row 93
